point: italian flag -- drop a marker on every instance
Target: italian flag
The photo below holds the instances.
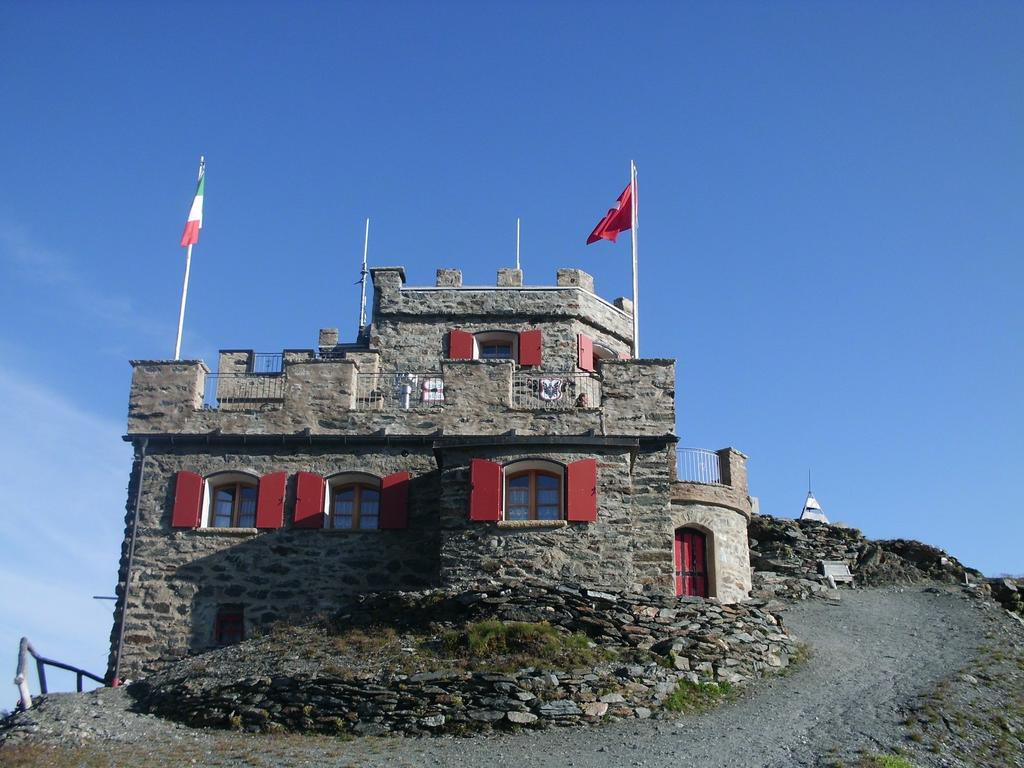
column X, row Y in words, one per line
column 195, row 216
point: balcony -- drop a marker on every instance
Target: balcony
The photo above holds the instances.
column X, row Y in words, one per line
column 241, row 390
column 698, row 465
column 555, row 391
column 399, row 391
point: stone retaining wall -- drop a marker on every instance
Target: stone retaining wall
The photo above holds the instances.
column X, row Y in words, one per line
column 785, row 553
column 694, row 640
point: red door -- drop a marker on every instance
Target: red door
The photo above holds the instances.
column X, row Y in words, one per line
column 691, row 564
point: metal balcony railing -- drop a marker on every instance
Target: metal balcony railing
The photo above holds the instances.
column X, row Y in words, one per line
column 398, row 391
column 267, row 363
column 555, row 390
column 234, row 389
column 698, row 465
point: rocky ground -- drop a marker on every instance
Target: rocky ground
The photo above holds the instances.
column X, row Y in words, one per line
column 933, row 674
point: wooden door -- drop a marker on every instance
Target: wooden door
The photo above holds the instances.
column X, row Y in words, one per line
column 691, row 565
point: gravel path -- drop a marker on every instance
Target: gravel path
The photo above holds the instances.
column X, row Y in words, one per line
column 871, row 653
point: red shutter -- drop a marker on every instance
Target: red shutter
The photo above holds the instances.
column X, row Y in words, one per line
column 581, row 490
column 309, row 500
column 585, row 348
column 460, row 345
column 485, row 490
column 394, row 501
column 188, row 500
column 270, row 501
column 529, row 348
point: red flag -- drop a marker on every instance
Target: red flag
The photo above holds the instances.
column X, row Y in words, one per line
column 618, row 219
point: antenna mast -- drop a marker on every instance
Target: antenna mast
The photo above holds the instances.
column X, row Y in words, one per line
column 362, row 280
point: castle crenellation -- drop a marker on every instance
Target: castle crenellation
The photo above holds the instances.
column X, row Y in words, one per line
column 470, row 433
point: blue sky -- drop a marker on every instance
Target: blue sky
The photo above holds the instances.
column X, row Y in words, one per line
column 830, row 246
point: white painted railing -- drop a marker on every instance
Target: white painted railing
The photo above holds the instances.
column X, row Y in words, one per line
column 698, row 465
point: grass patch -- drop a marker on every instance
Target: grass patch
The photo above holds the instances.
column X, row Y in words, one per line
column 28, row 755
column 886, row 761
column 516, row 644
column 691, row 698
column 800, row 656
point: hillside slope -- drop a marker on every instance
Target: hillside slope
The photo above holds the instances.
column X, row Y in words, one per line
column 876, row 653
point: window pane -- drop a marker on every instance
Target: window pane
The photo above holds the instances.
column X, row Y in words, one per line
column 369, row 508
column 547, row 497
column 247, row 507
column 343, row 508
column 517, row 513
column 547, row 481
column 223, row 503
column 496, row 350
column 547, row 512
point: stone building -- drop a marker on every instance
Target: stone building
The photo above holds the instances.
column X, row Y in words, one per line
column 470, row 433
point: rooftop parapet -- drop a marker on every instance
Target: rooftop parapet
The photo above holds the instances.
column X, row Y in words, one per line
column 571, row 297
column 350, row 396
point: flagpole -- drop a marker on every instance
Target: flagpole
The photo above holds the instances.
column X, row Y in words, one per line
column 184, row 285
column 633, row 229
column 181, row 311
column 362, row 279
column 517, row 243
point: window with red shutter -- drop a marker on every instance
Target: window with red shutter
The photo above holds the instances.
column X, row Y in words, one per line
column 394, row 501
column 309, row 500
column 270, row 500
column 460, row 345
column 188, row 500
column 485, row 490
column 530, row 347
column 581, row 491
column 585, row 352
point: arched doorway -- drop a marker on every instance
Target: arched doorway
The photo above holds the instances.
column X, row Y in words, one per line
column 691, row 562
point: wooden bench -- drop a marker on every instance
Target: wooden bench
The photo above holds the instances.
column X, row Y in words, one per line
column 835, row 571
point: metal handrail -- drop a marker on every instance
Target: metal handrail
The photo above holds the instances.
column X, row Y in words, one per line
column 25, row 650
column 399, row 390
column 267, row 363
column 230, row 388
column 698, row 465
column 555, row 390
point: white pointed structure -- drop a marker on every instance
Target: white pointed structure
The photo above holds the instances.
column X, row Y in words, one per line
column 812, row 510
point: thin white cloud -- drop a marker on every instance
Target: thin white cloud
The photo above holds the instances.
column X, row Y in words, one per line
column 35, row 263
column 64, row 473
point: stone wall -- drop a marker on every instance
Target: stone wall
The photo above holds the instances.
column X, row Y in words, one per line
column 180, row 577
column 638, row 398
column 654, row 643
column 410, row 324
column 632, row 498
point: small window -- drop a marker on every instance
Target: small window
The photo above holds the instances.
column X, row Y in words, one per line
column 230, row 626
column 496, row 350
column 234, row 505
column 533, row 495
column 496, row 345
column 354, row 506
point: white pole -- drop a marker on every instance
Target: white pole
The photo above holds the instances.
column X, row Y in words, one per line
column 181, row 311
column 184, row 286
column 636, row 299
column 517, row 243
column 362, row 279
